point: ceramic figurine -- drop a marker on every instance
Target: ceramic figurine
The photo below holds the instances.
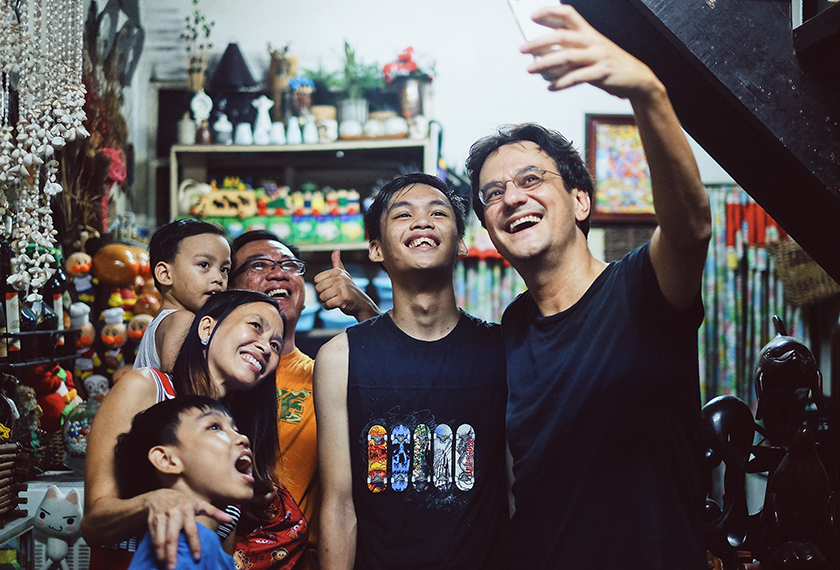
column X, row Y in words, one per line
column 310, row 131
column 262, row 126
column 278, row 133
column 243, row 134
column 223, row 129
column 293, row 134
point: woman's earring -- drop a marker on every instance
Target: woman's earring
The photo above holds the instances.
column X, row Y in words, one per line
column 205, row 340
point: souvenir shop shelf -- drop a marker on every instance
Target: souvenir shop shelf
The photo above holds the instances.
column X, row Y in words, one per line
column 38, row 347
column 353, row 165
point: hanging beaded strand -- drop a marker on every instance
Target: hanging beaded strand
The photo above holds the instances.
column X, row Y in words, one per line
column 50, row 113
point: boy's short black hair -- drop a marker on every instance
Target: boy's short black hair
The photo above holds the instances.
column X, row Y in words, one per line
column 166, row 240
column 154, row 426
column 373, row 215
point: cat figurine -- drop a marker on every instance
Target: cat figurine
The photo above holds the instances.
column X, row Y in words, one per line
column 57, row 525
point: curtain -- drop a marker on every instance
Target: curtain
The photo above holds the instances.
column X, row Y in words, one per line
column 741, row 294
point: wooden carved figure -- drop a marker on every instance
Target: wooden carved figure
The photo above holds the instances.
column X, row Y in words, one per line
column 785, row 374
column 728, row 430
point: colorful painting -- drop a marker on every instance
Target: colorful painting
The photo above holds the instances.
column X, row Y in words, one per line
column 617, row 163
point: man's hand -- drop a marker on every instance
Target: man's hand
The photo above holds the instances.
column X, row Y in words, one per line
column 576, row 53
column 336, row 289
column 170, row 512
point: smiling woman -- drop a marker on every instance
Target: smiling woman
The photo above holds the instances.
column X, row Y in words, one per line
column 233, row 345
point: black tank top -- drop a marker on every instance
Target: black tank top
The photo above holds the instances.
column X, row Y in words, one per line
column 427, row 441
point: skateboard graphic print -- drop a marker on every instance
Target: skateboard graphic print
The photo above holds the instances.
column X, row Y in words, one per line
column 420, row 466
column 442, row 446
column 400, row 454
column 465, row 457
column 377, row 454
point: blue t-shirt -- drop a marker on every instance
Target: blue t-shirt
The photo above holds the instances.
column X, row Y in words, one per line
column 212, row 555
column 603, row 423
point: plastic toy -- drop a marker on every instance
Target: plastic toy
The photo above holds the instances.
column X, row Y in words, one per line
column 56, row 525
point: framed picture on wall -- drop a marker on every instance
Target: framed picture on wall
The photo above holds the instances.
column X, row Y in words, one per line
column 616, row 161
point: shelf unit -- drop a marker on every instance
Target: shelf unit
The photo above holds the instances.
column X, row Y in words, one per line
column 358, row 164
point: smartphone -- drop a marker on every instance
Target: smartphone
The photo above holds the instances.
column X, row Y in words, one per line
column 522, row 10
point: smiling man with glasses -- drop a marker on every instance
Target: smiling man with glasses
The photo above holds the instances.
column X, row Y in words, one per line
column 603, row 412
column 261, row 262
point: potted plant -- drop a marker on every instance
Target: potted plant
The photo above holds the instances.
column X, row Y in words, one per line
column 356, row 80
column 410, row 78
column 197, row 35
column 327, row 84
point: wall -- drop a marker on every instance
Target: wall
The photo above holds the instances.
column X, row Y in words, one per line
column 481, row 77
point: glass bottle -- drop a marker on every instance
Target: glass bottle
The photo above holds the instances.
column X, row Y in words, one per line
column 28, row 342
column 54, row 296
column 45, row 321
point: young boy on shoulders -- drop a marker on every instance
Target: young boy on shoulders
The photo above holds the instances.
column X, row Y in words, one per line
column 189, row 444
column 190, row 261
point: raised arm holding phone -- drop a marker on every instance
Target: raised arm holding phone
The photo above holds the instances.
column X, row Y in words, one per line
column 603, row 414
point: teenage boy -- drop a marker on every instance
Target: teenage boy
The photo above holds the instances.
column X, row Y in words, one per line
column 189, row 444
column 603, row 415
column 410, row 405
column 261, row 262
column 190, row 261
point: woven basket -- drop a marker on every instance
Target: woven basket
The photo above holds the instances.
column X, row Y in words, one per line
column 804, row 281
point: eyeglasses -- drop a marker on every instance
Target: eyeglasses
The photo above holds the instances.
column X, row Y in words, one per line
column 526, row 180
column 263, row 265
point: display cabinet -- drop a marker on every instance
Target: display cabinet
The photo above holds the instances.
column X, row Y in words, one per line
column 351, row 164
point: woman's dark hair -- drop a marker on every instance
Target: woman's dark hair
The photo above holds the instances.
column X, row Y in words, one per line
column 153, row 426
column 570, row 165
column 167, row 239
column 255, row 411
column 373, row 215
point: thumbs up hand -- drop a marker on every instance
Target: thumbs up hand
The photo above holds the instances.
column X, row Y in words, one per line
column 336, row 289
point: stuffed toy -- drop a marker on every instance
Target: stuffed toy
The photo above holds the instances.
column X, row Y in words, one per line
column 49, row 392
column 96, row 386
column 56, row 525
column 78, row 267
column 136, row 328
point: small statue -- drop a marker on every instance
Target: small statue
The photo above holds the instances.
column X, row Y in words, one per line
column 785, row 373
column 728, row 430
column 262, row 126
